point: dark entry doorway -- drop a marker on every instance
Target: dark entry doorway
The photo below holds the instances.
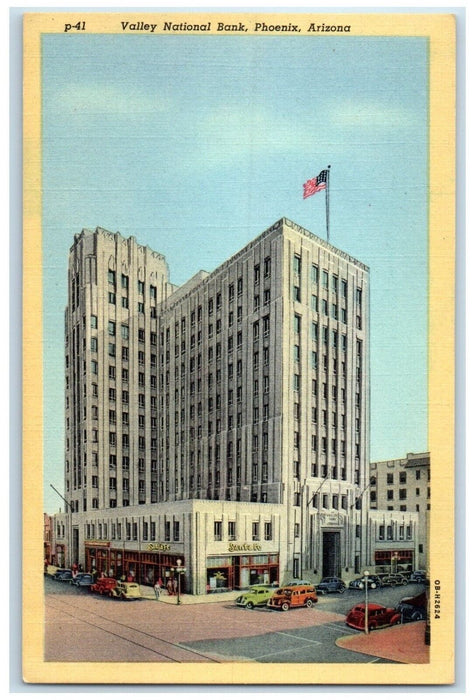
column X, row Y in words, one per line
column 331, row 554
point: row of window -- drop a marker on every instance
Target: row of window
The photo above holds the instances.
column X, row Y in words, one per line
column 131, row 531
column 232, row 530
column 124, row 283
column 390, row 532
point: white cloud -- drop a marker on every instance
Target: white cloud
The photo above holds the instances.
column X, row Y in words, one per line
column 372, row 114
column 97, row 98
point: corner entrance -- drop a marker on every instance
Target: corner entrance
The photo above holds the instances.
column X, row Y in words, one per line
column 331, row 554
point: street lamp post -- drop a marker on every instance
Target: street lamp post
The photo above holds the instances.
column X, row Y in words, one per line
column 366, row 574
column 179, row 570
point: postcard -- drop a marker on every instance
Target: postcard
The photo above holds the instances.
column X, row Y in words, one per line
column 238, row 407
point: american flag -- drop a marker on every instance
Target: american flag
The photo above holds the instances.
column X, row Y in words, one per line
column 316, row 184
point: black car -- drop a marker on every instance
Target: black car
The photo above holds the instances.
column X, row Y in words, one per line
column 82, row 579
column 331, row 584
column 413, row 609
column 359, row 583
column 418, row 577
column 63, row 575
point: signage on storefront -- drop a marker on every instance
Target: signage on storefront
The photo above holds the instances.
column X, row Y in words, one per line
column 254, row 547
column 97, row 543
column 158, row 547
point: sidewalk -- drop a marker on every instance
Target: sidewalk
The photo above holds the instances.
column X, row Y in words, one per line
column 186, row 599
column 402, row 643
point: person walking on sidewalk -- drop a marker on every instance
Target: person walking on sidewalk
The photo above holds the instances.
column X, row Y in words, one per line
column 158, row 588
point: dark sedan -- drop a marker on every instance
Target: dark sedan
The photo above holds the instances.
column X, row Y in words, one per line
column 359, row 583
column 63, row 575
column 82, row 580
column 413, row 609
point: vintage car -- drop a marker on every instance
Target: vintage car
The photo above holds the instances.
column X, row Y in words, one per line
column 63, row 575
column 418, row 577
column 297, row 582
column 331, row 584
column 374, row 581
column 82, row 579
column 126, row 590
column 413, row 609
column 378, row 616
column 104, row 585
column 255, row 596
column 293, row 597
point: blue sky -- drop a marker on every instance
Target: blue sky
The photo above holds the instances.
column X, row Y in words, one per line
column 196, row 144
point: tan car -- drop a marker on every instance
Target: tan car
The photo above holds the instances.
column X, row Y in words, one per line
column 293, row 597
column 126, row 591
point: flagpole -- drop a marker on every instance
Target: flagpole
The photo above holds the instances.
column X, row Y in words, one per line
column 327, row 202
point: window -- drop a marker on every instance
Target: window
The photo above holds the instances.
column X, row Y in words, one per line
column 390, row 478
column 257, row 274
column 218, row 530
column 255, row 530
column 268, row 531
column 402, row 494
column 390, row 495
column 231, row 530
column 176, row 531
column 111, row 328
column 325, row 279
column 402, row 477
column 111, row 298
column 267, row 267
column 297, row 323
column 93, row 344
column 266, row 322
column 111, row 277
column 93, row 321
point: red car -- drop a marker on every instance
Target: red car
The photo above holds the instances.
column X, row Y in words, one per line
column 104, row 585
column 378, row 616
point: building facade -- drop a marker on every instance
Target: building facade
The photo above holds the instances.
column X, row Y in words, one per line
column 404, row 485
column 223, row 423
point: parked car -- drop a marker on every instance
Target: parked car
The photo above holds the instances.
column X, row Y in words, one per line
column 63, row 575
column 378, row 616
column 126, row 590
column 412, row 609
column 255, row 596
column 297, row 582
column 58, row 571
column 293, row 597
column 331, row 584
column 419, row 576
column 82, row 579
column 394, row 580
column 104, row 585
column 374, row 581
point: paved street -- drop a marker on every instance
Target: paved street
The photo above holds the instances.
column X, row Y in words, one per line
column 81, row 626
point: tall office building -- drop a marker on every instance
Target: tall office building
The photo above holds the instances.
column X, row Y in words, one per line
column 223, row 423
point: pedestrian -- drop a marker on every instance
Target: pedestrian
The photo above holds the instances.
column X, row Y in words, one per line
column 157, row 588
column 170, row 586
column 175, row 586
